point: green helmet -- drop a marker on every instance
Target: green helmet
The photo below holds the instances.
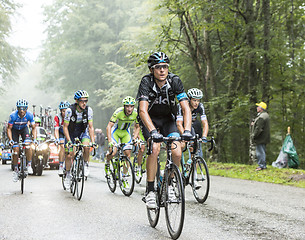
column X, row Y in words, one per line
column 37, row 120
column 129, row 101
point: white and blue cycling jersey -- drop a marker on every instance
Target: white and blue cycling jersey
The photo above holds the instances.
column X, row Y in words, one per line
column 20, row 123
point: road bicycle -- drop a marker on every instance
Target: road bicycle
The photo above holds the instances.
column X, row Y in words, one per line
column 169, row 193
column 77, row 170
column 138, row 170
column 121, row 170
column 195, row 171
column 22, row 173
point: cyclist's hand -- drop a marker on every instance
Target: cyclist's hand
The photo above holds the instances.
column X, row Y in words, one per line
column 156, row 137
column 110, row 144
column 11, row 142
column 186, row 135
column 94, row 145
column 204, row 139
column 69, row 144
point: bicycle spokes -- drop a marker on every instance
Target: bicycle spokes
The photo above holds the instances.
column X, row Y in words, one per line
column 200, row 180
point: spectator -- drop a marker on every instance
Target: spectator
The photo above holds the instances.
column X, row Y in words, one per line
column 261, row 134
column 100, row 140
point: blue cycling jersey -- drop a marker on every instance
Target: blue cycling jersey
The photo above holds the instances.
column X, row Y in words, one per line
column 20, row 123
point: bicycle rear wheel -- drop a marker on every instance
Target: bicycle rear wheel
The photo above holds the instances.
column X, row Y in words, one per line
column 111, row 176
column 80, row 178
column 174, row 202
column 73, row 178
column 200, row 180
column 126, row 176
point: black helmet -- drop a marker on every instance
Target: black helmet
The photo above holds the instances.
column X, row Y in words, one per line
column 157, row 57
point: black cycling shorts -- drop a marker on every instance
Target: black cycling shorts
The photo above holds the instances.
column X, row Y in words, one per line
column 24, row 133
column 166, row 126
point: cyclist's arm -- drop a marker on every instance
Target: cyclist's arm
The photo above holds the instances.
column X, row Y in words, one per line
column 143, row 112
column 180, row 126
column 136, row 131
column 34, row 130
column 66, row 131
column 9, row 132
column 187, row 114
column 205, row 127
column 91, row 131
column 108, row 131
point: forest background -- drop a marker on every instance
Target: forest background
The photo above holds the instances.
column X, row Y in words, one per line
column 239, row 52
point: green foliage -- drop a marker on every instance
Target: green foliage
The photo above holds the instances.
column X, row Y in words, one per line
column 283, row 176
column 10, row 56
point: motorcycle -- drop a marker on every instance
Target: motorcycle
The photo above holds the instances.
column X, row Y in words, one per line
column 41, row 152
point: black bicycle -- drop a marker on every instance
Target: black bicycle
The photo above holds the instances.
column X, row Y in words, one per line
column 77, row 170
column 22, row 174
column 195, row 171
column 120, row 169
column 169, row 193
column 138, row 170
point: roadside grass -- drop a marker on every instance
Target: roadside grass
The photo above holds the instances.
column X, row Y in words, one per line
column 285, row 176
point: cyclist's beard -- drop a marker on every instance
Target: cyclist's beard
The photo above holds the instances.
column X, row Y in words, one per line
column 82, row 109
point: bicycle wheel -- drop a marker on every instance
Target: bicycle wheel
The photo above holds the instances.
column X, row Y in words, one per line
column 73, row 178
column 126, row 176
column 153, row 214
column 111, row 176
column 80, row 178
column 22, row 172
column 137, row 169
column 175, row 202
column 200, row 179
column 63, row 181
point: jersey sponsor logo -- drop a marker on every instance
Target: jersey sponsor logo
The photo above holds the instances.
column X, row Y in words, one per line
column 73, row 119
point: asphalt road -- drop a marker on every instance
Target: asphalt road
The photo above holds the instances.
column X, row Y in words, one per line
column 235, row 209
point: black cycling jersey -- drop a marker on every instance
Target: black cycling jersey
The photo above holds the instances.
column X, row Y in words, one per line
column 162, row 101
column 198, row 111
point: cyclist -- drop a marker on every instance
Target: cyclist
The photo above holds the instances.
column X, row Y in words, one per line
column 37, row 121
column 59, row 134
column 157, row 110
column 197, row 108
column 78, row 123
column 140, row 143
column 118, row 129
column 17, row 126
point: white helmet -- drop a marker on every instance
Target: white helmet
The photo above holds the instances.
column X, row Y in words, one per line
column 195, row 93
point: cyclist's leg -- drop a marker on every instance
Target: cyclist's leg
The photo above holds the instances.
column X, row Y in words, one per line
column 126, row 138
column 15, row 153
column 112, row 150
column 61, row 148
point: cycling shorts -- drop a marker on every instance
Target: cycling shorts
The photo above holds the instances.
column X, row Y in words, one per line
column 24, row 133
column 61, row 136
column 167, row 126
column 122, row 136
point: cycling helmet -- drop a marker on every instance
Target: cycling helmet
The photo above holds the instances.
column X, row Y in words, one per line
column 157, row 57
column 22, row 103
column 81, row 94
column 195, row 93
column 129, row 101
column 64, row 105
column 37, row 119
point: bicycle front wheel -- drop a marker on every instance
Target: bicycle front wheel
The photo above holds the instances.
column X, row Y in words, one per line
column 174, row 202
column 22, row 172
column 200, row 180
column 126, row 176
column 80, row 178
column 111, row 176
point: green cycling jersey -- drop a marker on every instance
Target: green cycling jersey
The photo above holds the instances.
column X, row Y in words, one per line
column 122, row 121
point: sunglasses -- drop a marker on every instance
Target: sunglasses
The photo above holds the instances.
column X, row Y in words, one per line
column 84, row 101
column 158, row 67
column 22, row 108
